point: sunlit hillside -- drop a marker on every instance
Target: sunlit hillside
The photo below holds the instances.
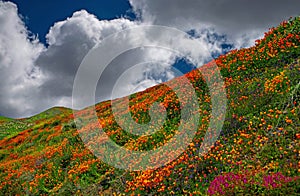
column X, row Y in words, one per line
column 256, row 153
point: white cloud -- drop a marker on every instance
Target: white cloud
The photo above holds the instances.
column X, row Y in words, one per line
column 69, row 41
column 20, row 79
column 35, row 77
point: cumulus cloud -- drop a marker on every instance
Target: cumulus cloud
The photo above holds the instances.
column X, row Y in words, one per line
column 69, row 41
column 238, row 19
column 20, row 79
column 35, row 77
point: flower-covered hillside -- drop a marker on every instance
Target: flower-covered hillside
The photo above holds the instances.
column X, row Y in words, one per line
column 257, row 152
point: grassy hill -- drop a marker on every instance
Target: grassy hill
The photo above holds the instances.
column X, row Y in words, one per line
column 257, row 152
column 12, row 127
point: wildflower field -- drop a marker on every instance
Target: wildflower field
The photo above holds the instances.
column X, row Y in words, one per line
column 257, row 152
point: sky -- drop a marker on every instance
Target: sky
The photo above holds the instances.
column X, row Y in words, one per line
column 42, row 43
column 39, row 16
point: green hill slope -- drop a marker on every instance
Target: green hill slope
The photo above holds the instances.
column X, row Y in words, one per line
column 12, row 127
column 257, row 152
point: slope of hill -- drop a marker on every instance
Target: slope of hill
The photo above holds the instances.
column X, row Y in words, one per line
column 257, row 152
column 12, row 127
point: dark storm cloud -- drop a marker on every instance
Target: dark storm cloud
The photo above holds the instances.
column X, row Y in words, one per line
column 228, row 15
column 242, row 21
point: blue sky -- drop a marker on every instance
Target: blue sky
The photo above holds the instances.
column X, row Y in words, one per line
column 39, row 15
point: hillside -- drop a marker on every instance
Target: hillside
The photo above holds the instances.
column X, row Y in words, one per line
column 12, row 127
column 257, row 152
